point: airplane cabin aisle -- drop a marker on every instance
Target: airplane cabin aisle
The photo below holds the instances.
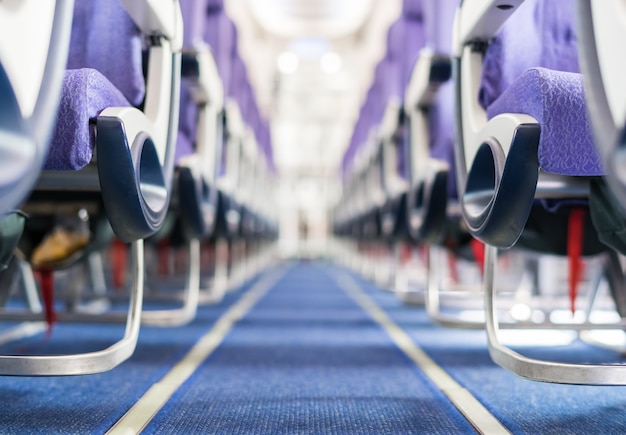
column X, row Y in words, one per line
column 301, row 349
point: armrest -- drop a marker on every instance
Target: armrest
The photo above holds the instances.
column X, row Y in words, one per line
column 480, row 20
column 147, row 139
column 430, row 71
column 158, row 17
column 475, row 23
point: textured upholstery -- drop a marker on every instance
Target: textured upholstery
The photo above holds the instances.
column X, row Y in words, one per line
column 85, row 93
column 104, row 70
column 552, row 92
column 102, row 35
column 556, row 99
column 539, row 34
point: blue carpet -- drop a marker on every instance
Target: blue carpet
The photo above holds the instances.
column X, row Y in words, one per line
column 307, row 359
column 93, row 403
column 523, row 406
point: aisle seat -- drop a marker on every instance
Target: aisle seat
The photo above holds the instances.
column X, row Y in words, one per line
column 529, row 157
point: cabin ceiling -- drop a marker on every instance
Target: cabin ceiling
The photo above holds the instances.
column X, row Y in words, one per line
column 310, row 63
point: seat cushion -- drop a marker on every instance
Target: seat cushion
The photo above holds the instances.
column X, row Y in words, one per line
column 557, row 101
column 541, row 33
column 103, row 34
column 85, row 93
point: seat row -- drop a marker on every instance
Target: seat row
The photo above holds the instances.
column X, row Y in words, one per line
column 480, row 132
column 130, row 122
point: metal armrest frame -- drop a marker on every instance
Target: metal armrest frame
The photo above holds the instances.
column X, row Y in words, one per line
column 140, row 146
column 476, row 22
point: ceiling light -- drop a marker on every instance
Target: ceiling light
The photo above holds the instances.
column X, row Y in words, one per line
column 287, row 62
column 330, row 62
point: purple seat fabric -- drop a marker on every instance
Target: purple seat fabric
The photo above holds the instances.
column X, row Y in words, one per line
column 557, row 101
column 221, row 35
column 85, row 93
column 393, row 62
column 548, row 40
column 104, row 70
column 552, row 93
column 102, row 35
column 405, row 38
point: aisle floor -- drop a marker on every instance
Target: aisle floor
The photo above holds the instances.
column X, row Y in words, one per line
column 301, row 356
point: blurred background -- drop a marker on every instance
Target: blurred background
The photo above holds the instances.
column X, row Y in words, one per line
column 310, row 64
